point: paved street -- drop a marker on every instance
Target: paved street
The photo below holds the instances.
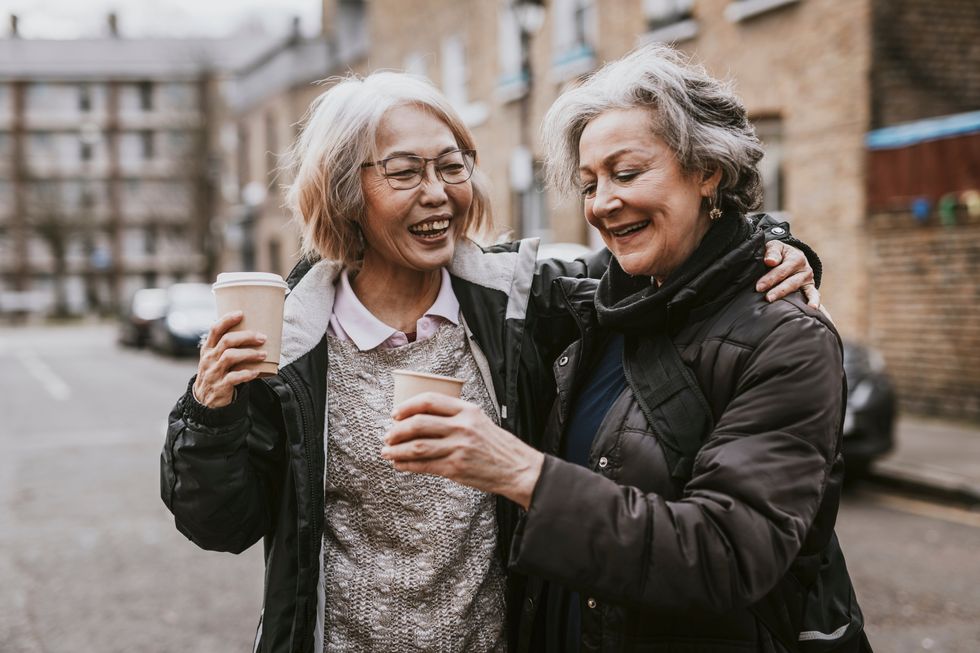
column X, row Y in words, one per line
column 90, row 560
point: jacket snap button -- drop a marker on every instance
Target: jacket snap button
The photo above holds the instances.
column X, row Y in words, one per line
column 563, row 361
column 591, row 603
column 603, row 462
column 778, row 231
column 528, row 605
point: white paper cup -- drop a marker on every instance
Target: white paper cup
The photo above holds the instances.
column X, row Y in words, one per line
column 409, row 383
column 261, row 297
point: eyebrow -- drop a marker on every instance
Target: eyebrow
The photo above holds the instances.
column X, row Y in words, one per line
column 448, row 148
column 621, row 151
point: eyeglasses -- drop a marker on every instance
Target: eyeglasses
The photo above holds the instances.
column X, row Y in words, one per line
column 404, row 171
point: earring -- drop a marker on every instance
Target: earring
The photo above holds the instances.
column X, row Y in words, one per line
column 715, row 212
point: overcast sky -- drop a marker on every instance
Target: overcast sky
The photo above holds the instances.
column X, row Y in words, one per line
column 87, row 18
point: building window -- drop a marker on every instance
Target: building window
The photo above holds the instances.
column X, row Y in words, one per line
column 455, row 73
column 85, row 151
column 661, row 13
column 770, row 132
column 509, row 48
column 739, row 10
column 455, row 81
column 146, row 96
column 147, row 144
column 574, row 38
column 84, row 98
column 150, row 239
column 271, row 144
column 275, row 256
column 535, row 220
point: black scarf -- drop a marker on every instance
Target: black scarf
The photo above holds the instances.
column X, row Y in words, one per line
column 636, row 305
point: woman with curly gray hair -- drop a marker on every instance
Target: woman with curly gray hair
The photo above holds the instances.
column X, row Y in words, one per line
column 683, row 495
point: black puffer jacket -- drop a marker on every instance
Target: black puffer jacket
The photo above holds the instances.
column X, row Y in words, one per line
column 667, row 564
column 253, row 470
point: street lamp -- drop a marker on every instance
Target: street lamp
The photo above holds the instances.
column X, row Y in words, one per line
column 529, row 15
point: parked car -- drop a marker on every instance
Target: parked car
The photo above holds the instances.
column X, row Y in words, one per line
column 145, row 306
column 869, row 420
column 190, row 311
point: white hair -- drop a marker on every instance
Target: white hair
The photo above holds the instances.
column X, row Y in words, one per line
column 699, row 117
column 339, row 134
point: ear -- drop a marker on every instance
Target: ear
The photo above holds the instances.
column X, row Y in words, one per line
column 709, row 182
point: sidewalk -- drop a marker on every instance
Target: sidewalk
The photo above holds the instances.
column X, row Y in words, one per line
column 933, row 457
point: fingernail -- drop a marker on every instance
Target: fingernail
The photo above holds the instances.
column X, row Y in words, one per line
column 385, row 451
column 264, row 353
column 759, row 287
column 770, row 297
column 261, row 337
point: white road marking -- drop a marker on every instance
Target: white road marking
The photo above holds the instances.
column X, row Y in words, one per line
column 40, row 370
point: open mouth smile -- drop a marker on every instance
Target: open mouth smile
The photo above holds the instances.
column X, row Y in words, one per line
column 430, row 229
column 629, row 229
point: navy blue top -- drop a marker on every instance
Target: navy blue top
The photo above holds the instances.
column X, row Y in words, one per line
column 603, row 384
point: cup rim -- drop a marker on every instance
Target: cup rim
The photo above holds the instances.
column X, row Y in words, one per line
column 229, row 279
column 428, row 375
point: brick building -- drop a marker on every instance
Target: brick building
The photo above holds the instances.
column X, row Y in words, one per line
column 816, row 75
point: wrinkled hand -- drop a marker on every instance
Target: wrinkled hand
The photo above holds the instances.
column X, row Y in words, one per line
column 449, row 437
column 790, row 272
column 220, row 354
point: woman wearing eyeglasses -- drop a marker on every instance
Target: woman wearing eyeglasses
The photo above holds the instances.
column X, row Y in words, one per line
column 360, row 557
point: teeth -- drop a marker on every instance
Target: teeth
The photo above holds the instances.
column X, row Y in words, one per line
column 425, row 227
column 629, row 230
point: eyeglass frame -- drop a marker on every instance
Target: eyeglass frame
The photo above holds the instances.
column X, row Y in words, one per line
column 425, row 167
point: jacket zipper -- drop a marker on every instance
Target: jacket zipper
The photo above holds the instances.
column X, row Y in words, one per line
column 294, row 382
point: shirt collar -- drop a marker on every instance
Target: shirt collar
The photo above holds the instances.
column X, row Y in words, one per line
column 368, row 332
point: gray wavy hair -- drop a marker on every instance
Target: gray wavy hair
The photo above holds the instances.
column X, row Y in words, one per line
column 699, row 117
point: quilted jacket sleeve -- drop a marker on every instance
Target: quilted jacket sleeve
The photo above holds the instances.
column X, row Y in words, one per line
column 220, row 470
column 756, row 486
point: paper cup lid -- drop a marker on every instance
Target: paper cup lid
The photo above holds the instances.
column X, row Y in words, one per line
column 227, row 279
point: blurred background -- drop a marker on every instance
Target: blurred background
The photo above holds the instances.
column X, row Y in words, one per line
column 141, row 147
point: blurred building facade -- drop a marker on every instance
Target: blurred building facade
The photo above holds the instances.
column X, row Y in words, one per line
column 823, row 81
column 109, row 154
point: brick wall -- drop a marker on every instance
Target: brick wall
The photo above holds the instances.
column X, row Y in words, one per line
column 924, row 307
column 926, row 59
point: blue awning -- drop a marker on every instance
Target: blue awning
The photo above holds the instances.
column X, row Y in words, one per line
column 929, row 129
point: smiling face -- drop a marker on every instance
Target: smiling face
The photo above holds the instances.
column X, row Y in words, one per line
column 414, row 229
column 646, row 209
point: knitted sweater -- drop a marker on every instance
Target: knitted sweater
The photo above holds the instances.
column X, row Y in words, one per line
column 410, row 560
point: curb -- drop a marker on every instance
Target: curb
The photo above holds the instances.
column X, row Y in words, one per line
column 929, row 482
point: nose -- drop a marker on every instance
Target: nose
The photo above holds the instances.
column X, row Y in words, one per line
column 433, row 187
column 606, row 202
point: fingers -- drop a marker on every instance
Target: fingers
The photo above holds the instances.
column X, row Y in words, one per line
column 431, row 403
column 774, row 253
column 812, row 296
column 419, row 426
column 218, row 329
column 421, row 449
column 788, row 287
column 793, row 263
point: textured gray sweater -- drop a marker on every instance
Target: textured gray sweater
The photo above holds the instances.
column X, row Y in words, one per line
column 410, row 560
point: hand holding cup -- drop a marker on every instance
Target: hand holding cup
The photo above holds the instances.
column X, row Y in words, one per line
column 222, row 355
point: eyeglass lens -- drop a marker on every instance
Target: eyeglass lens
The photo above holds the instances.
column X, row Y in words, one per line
column 407, row 171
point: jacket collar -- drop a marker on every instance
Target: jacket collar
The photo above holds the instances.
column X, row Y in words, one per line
column 309, row 304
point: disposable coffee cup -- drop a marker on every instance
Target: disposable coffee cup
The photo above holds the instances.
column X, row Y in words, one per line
column 260, row 296
column 409, row 383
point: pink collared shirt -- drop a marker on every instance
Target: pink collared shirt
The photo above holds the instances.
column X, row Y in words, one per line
column 352, row 321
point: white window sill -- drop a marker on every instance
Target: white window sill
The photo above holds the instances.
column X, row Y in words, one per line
column 572, row 63
column 510, row 88
column 684, row 30
column 739, row 10
column 475, row 114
